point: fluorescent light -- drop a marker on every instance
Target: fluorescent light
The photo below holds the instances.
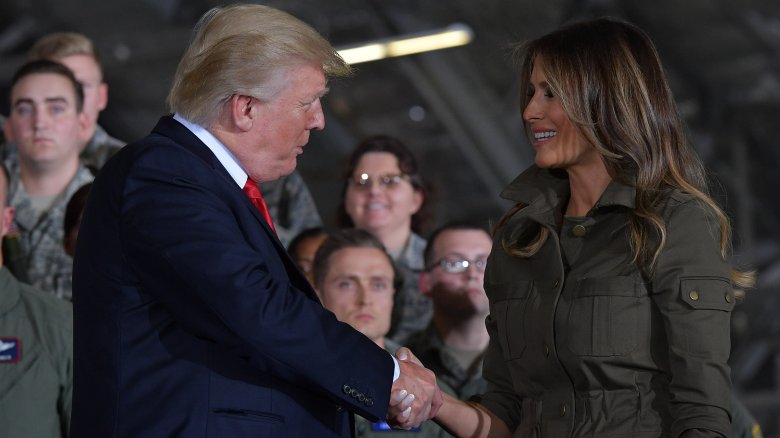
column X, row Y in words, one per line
column 368, row 52
column 452, row 36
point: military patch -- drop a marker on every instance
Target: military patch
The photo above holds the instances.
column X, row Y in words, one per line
column 10, row 350
column 382, row 426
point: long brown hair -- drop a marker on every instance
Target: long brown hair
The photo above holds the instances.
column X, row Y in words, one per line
column 609, row 80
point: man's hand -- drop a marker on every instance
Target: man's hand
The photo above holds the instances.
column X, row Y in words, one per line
column 415, row 396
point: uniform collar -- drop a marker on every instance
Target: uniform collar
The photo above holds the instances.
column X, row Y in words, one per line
column 546, row 190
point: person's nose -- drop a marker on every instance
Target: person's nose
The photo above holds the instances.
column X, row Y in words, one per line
column 375, row 187
column 364, row 295
column 317, row 120
column 533, row 110
column 472, row 272
column 40, row 120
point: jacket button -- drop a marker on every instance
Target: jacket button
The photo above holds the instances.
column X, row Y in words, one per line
column 579, row 230
column 347, row 390
column 563, row 409
column 728, row 297
column 369, row 402
column 694, row 294
column 361, row 398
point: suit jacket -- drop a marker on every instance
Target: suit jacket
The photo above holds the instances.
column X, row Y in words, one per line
column 192, row 321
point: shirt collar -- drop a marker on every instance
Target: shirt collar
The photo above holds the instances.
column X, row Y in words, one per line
column 549, row 188
column 223, row 154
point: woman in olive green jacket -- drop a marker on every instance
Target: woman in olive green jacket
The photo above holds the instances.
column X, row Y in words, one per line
column 609, row 289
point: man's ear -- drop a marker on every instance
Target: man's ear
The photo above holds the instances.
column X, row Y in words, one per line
column 425, row 283
column 243, row 111
column 102, row 96
column 84, row 128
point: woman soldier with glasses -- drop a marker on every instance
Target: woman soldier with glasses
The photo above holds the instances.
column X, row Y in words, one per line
column 384, row 194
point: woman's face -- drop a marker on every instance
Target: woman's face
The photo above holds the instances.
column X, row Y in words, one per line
column 379, row 196
column 557, row 142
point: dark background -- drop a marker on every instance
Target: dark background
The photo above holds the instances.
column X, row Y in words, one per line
column 457, row 108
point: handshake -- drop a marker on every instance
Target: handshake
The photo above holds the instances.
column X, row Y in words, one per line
column 415, row 397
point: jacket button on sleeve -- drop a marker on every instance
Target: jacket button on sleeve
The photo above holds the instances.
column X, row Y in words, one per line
column 347, row 389
column 694, row 294
column 729, row 298
column 579, row 230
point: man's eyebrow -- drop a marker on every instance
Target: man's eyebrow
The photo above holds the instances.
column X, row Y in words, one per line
column 28, row 101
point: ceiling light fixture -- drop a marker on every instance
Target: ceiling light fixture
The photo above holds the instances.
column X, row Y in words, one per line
column 454, row 35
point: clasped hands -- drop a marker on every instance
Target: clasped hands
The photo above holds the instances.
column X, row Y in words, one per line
column 415, row 396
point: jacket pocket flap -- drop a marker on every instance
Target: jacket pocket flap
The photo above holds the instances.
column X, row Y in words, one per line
column 712, row 293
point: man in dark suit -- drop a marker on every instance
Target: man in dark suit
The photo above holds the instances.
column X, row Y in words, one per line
column 190, row 318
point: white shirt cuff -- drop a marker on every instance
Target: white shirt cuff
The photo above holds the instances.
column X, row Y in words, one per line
column 397, row 370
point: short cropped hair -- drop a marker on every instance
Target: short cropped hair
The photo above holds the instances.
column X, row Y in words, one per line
column 244, row 49
column 450, row 226
column 349, row 238
column 45, row 66
column 58, row 45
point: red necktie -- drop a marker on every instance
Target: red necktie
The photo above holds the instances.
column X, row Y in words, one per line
column 251, row 190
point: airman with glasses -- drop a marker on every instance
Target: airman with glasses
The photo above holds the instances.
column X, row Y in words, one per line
column 454, row 343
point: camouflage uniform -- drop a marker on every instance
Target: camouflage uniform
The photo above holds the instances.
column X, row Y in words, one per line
column 48, row 267
column 462, row 383
column 367, row 429
column 99, row 149
column 291, row 206
column 411, row 310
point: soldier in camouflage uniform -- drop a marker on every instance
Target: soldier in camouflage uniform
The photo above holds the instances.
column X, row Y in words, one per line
column 385, row 195
column 77, row 52
column 48, row 125
column 454, row 344
column 355, row 279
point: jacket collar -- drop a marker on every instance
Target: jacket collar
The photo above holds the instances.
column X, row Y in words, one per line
column 167, row 126
column 546, row 191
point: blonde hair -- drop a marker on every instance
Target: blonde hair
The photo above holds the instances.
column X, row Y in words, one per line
column 58, row 45
column 608, row 77
column 244, row 49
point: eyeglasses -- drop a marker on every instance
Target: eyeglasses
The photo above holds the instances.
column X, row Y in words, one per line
column 459, row 265
column 388, row 181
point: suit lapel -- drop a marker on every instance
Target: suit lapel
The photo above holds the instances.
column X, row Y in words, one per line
column 169, row 127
